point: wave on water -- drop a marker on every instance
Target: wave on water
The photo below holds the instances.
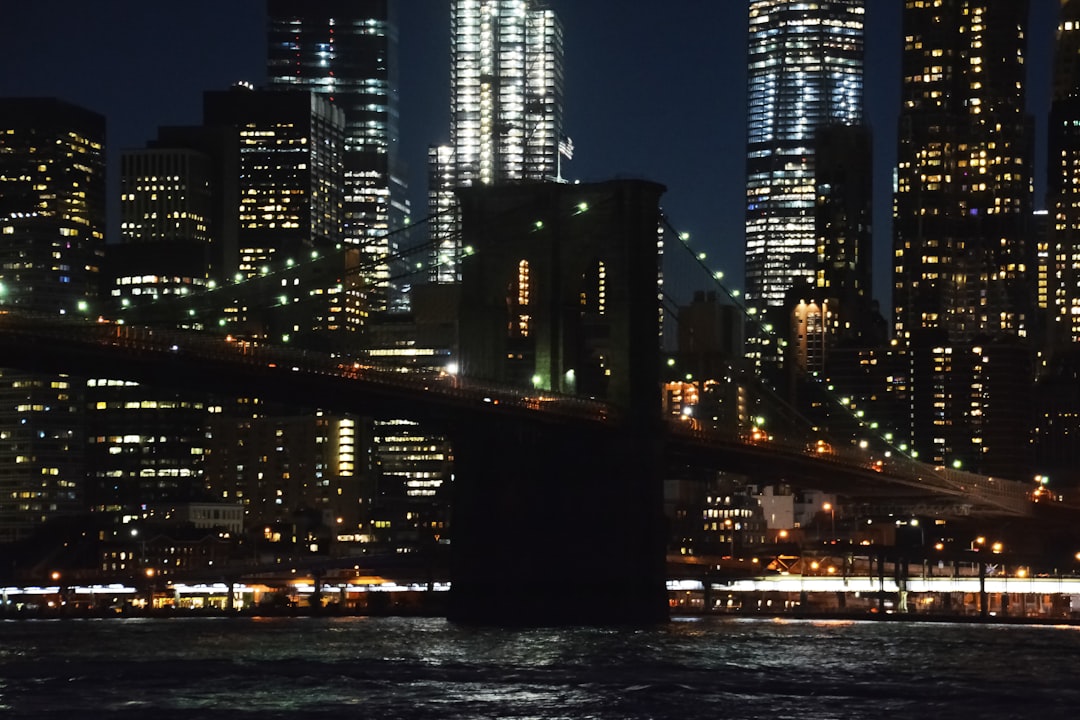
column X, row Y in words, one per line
column 415, row 668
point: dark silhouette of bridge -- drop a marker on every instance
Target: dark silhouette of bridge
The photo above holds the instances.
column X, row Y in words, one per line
column 195, row 360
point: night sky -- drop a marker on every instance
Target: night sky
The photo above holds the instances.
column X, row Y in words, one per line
column 654, row 90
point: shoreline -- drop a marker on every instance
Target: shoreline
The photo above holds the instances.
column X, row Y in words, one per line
column 421, row 611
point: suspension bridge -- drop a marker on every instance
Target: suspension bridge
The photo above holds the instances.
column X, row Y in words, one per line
column 585, row 293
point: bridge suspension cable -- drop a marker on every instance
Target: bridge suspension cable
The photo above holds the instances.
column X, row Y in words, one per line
column 900, row 456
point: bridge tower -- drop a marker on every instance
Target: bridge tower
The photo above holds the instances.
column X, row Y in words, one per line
column 557, row 521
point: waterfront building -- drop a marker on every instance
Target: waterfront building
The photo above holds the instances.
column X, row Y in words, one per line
column 347, row 51
column 148, row 445
column 52, row 232
column 303, row 477
column 963, row 253
column 805, row 65
column 412, row 466
column 506, row 109
column 713, row 519
column 144, row 446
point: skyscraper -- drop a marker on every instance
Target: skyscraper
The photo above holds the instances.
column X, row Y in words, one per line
column 805, row 65
column 347, row 51
column 1059, row 292
column 963, row 204
column 290, row 170
column 506, row 108
column 52, row 203
column 52, row 231
column 963, row 248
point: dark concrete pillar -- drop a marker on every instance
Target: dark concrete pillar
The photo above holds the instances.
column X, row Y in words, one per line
column 557, row 525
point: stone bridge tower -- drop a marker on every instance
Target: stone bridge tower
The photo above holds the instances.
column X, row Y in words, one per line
column 557, row 520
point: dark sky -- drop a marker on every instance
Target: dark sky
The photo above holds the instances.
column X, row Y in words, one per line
column 654, row 90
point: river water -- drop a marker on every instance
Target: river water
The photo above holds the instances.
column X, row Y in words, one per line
column 418, row 668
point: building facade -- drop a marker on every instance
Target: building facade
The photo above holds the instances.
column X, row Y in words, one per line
column 805, row 64
column 1060, row 288
column 964, row 255
column 347, row 51
column 291, row 171
column 963, row 198
column 506, row 108
column 52, row 233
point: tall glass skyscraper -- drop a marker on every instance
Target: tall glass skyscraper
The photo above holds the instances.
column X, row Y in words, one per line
column 506, row 107
column 347, row 50
column 805, row 65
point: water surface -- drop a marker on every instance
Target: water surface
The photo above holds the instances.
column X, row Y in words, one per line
column 390, row 668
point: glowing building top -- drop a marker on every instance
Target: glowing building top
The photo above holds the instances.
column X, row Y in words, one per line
column 506, row 106
column 805, row 72
column 346, row 50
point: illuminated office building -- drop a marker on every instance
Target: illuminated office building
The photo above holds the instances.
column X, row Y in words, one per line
column 165, row 226
column 290, row 171
column 963, row 246
column 52, row 231
column 290, row 189
column 52, row 203
column 506, row 107
column 346, row 50
column 144, row 446
column 805, row 65
column 1057, row 395
column 147, row 445
column 302, row 477
column 1059, row 285
column 962, row 251
column 165, row 195
column 413, row 467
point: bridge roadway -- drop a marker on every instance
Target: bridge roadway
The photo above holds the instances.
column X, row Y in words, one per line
column 204, row 362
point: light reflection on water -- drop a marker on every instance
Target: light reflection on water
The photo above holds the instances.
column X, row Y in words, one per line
column 428, row 668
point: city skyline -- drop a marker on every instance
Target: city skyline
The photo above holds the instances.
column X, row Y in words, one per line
column 690, row 82
column 554, row 298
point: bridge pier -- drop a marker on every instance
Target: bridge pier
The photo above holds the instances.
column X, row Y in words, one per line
column 557, row 525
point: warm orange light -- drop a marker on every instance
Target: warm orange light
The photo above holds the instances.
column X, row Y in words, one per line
column 55, row 575
column 149, row 572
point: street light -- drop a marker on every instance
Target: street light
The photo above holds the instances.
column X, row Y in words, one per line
column 828, row 507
